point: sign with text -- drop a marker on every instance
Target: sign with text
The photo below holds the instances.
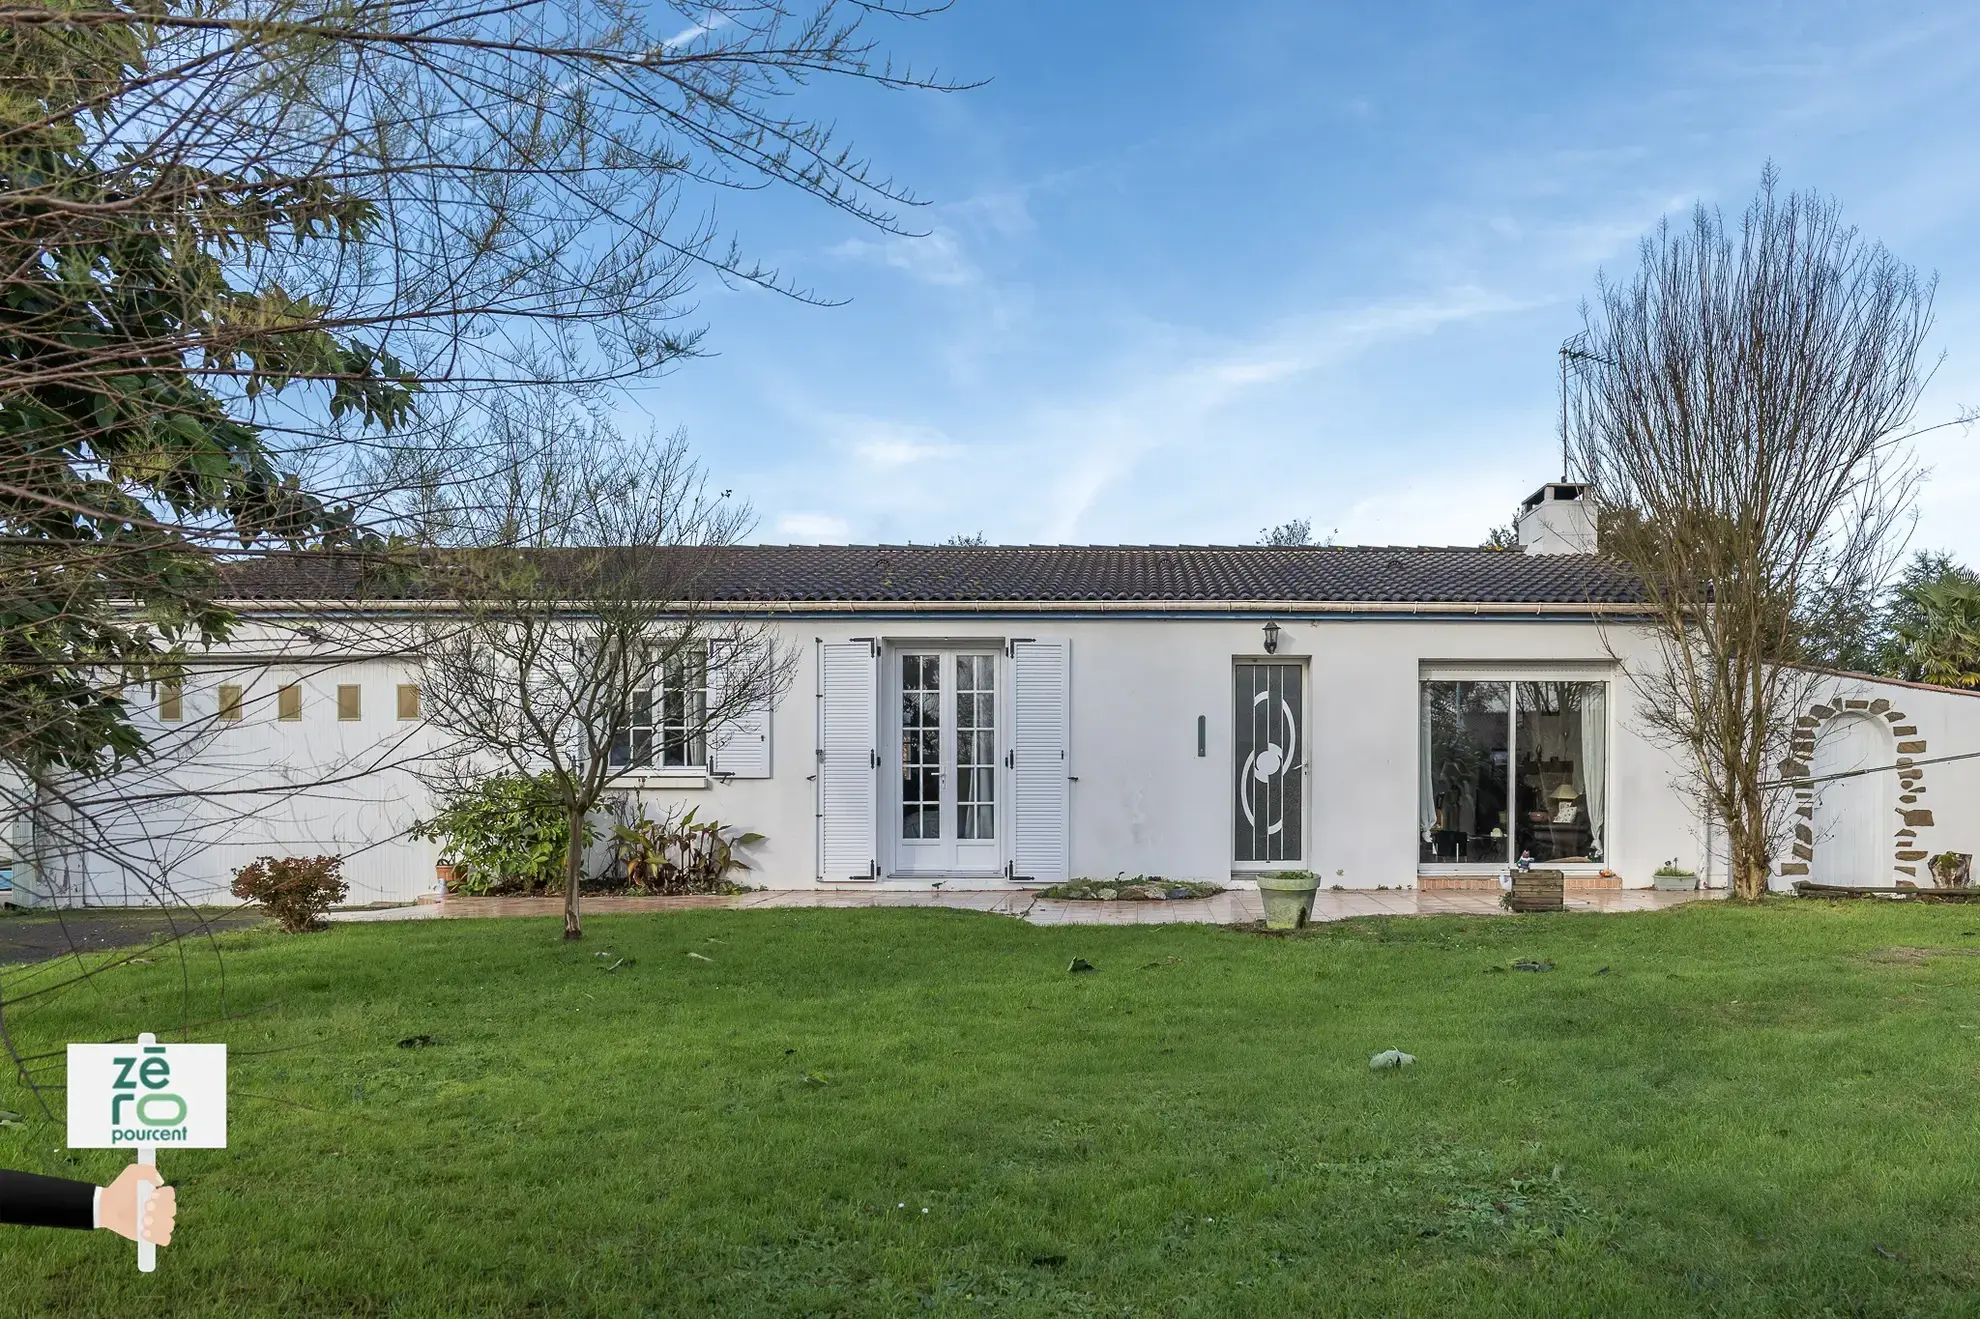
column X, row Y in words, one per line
column 122, row 1096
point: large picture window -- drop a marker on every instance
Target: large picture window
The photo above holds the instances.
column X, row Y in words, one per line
column 1512, row 768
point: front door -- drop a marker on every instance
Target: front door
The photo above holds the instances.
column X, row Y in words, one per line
column 1270, row 755
column 947, row 819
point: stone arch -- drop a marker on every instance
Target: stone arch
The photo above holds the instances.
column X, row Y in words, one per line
column 1907, row 851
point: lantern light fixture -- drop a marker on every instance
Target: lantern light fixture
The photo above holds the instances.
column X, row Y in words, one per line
column 1271, row 638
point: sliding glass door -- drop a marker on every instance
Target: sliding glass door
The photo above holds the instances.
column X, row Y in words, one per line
column 1512, row 767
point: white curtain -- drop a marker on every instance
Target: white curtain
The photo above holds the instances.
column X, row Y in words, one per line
column 1595, row 760
column 1426, row 793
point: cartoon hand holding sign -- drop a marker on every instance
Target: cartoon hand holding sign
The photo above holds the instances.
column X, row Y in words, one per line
column 140, row 1096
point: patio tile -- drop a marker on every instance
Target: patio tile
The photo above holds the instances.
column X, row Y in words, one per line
column 1232, row 907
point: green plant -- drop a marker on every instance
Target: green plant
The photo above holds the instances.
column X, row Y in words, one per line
column 1100, row 1118
column 506, row 833
column 679, row 854
column 295, row 890
column 1130, row 888
column 1952, row 869
column 1671, row 867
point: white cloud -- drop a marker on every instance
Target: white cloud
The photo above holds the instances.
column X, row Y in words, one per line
column 901, row 452
column 814, row 527
column 712, row 22
column 1175, row 404
column 932, row 258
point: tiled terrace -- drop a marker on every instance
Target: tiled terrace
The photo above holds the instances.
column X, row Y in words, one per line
column 1233, row 907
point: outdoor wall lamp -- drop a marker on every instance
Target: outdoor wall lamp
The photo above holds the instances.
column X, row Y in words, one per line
column 1271, row 638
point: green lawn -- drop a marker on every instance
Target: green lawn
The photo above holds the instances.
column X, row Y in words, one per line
column 1749, row 1112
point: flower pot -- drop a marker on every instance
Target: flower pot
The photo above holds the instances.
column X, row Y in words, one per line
column 1953, row 869
column 446, row 874
column 1288, row 898
column 1680, row 883
column 1538, row 890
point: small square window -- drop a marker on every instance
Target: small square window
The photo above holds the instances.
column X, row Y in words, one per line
column 171, row 702
column 288, row 702
column 230, row 702
column 408, row 700
column 350, row 701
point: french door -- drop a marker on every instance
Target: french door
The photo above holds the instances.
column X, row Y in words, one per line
column 947, row 818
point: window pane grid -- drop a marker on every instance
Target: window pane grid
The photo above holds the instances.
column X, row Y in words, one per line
column 976, row 746
column 665, row 724
column 921, row 746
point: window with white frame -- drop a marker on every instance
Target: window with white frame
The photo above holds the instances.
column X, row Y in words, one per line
column 1513, row 768
column 666, row 724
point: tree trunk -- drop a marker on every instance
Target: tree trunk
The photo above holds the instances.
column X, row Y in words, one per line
column 1746, row 848
column 573, row 876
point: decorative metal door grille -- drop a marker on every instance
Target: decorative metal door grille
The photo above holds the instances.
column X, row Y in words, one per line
column 1270, row 756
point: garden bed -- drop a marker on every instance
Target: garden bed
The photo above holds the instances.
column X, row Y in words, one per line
column 1131, row 888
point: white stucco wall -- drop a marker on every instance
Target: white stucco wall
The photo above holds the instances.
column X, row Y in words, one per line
column 1144, row 801
column 1931, row 733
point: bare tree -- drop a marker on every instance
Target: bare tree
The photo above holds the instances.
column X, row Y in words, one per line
column 1742, row 407
column 241, row 241
column 576, row 643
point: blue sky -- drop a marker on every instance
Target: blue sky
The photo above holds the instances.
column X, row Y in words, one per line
column 1194, row 270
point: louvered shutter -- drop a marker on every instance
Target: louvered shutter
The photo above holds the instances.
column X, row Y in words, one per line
column 740, row 748
column 848, row 756
column 1041, row 683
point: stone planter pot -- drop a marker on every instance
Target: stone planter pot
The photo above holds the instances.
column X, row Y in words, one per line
column 1288, row 898
column 1683, row 883
column 1955, row 872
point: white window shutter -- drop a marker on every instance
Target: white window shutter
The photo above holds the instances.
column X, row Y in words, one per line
column 1041, row 683
column 848, row 760
column 740, row 748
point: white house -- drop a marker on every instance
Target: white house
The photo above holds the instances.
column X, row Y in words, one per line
column 990, row 715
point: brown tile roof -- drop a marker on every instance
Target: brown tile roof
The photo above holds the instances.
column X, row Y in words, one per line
column 1065, row 574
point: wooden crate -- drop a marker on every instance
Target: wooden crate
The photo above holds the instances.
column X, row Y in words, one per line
column 1539, row 890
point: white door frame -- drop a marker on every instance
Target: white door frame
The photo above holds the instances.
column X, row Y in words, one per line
column 995, row 854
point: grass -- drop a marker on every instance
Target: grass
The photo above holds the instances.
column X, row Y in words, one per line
column 894, row 1112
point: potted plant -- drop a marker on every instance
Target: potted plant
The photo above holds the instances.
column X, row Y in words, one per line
column 1953, row 869
column 1288, row 897
column 1674, row 878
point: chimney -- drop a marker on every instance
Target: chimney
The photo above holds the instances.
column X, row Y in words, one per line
column 1558, row 518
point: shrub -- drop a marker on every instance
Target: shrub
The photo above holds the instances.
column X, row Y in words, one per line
column 295, row 890
column 678, row 854
column 505, row 834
